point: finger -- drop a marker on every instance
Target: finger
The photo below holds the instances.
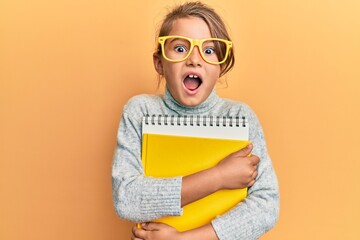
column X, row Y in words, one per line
column 150, row 226
column 138, row 233
column 255, row 160
column 245, row 151
column 254, row 175
column 133, row 229
column 251, row 183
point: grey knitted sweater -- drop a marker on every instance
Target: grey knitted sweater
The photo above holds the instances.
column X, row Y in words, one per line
column 138, row 198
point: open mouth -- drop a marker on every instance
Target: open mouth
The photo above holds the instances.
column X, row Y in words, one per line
column 192, row 82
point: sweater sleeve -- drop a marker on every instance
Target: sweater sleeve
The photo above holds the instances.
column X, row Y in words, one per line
column 259, row 212
column 136, row 197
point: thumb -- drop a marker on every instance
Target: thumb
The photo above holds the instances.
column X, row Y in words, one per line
column 245, row 151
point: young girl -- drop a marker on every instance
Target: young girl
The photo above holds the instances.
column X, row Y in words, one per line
column 191, row 68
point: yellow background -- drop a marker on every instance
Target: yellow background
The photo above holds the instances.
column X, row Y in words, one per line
column 67, row 68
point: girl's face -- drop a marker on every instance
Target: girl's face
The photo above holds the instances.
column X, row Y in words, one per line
column 191, row 81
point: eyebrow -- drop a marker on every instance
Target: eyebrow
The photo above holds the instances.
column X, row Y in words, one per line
column 175, row 39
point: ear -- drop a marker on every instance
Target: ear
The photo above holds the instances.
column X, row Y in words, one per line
column 158, row 64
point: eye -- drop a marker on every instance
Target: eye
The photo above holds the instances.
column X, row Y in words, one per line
column 209, row 51
column 180, row 49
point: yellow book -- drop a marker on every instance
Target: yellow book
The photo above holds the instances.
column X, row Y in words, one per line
column 179, row 146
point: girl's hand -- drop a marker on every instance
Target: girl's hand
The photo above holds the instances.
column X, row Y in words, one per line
column 238, row 170
column 155, row 231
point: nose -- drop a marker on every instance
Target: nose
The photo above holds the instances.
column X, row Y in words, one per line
column 195, row 57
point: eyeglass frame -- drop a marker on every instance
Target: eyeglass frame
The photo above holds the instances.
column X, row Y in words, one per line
column 193, row 43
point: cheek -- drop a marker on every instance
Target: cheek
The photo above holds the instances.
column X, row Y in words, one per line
column 215, row 73
column 171, row 72
column 170, row 80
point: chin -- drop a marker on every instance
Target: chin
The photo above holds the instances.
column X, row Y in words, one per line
column 191, row 102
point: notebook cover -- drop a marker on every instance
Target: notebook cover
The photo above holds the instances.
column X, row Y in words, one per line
column 169, row 156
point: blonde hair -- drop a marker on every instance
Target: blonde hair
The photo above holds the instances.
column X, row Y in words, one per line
column 211, row 18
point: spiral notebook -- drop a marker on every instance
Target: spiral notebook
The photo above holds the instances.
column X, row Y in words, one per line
column 182, row 145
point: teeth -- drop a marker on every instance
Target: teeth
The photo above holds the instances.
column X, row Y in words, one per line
column 193, row 76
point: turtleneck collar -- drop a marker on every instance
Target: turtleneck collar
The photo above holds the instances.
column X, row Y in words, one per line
column 180, row 109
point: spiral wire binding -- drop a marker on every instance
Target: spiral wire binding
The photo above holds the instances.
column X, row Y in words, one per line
column 191, row 120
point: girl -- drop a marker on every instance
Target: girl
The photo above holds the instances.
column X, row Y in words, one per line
column 191, row 68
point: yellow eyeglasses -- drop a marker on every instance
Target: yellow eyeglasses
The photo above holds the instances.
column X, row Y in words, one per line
column 178, row 48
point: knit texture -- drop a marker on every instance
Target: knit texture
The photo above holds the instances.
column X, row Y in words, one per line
column 139, row 198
